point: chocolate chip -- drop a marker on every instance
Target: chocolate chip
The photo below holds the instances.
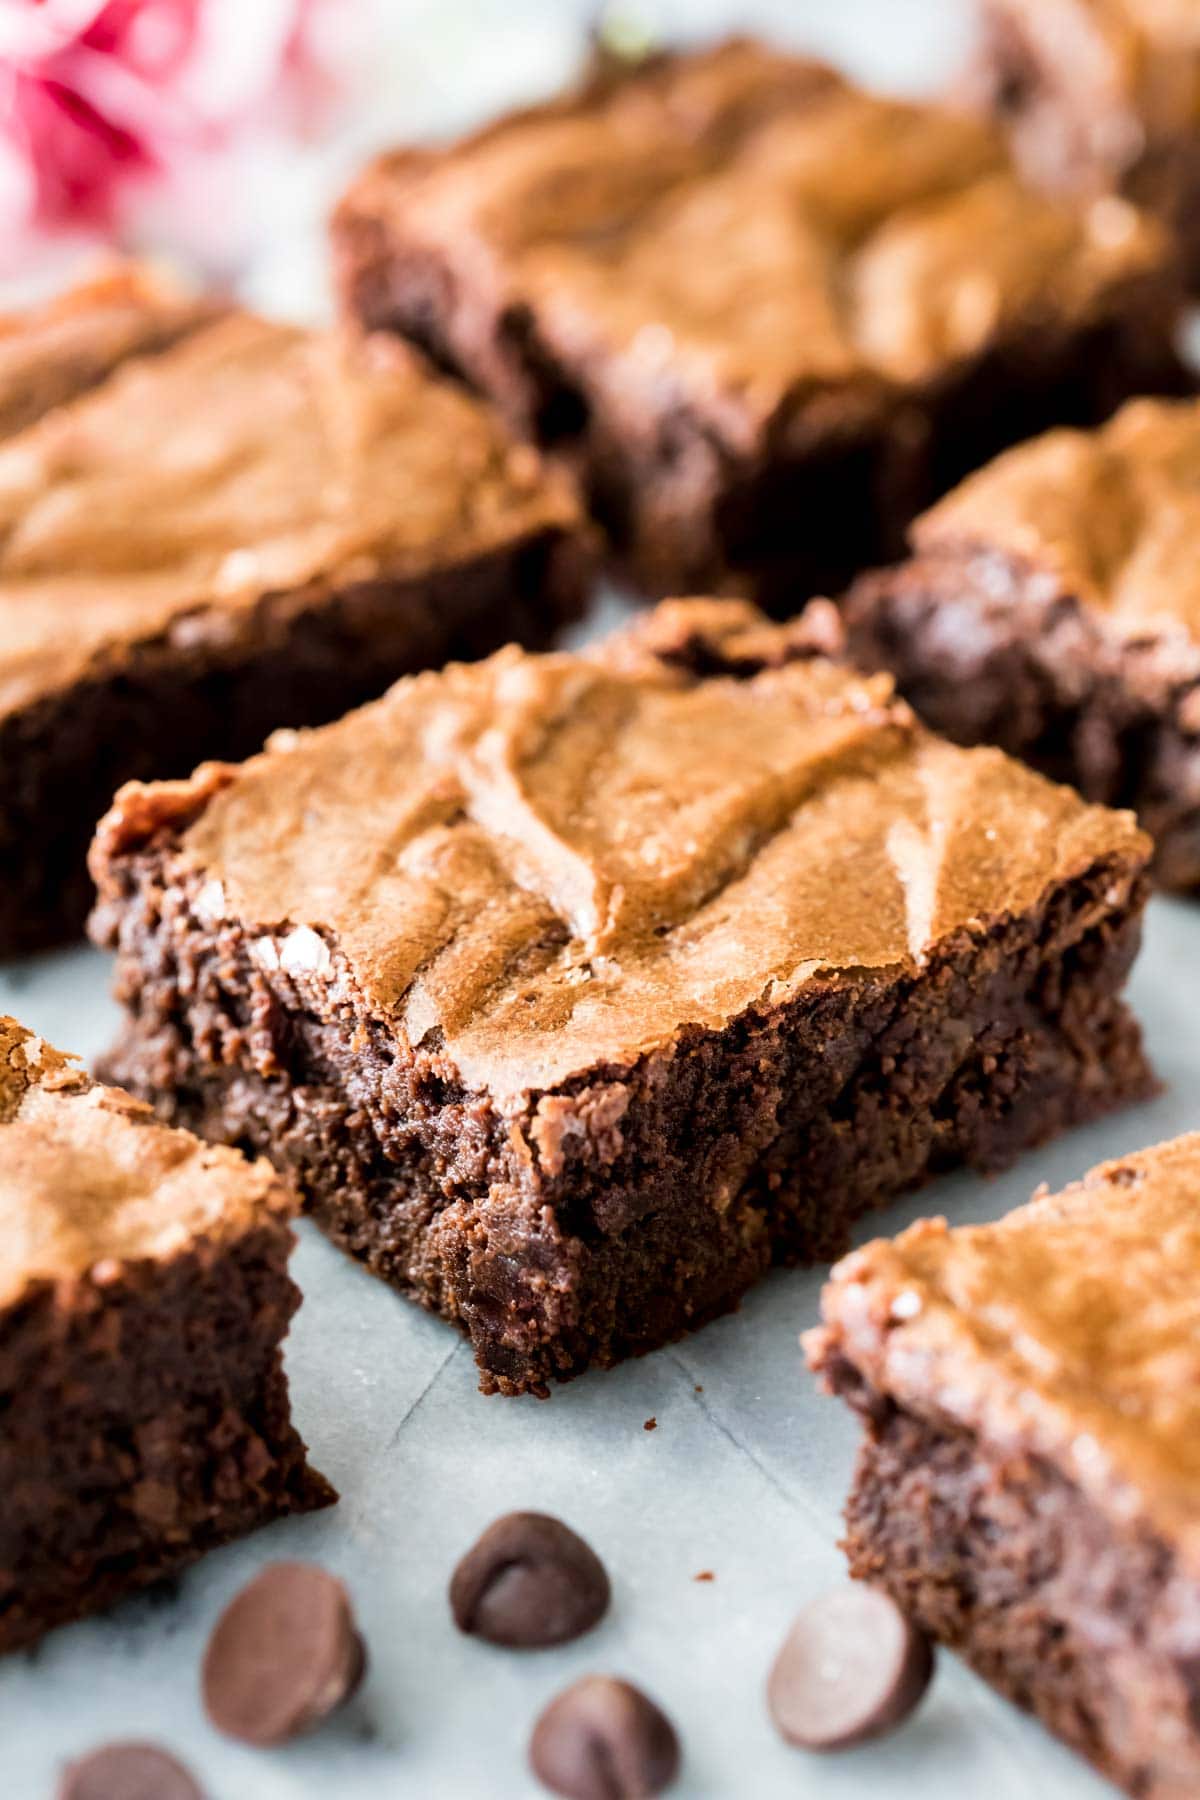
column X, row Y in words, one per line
column 283, row 1655
column 604, row 1740
column 527, row 1583
column 127, row 1772
column 851, row 1668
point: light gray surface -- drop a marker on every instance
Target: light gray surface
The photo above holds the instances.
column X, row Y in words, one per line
column 744, row 1478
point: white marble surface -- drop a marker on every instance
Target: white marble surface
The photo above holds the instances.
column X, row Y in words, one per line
column 744, row 1478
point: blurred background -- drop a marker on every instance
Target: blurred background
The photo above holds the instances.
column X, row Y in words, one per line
column 217, row 133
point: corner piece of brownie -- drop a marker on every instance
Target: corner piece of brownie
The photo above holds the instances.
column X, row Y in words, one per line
column 1028, row 1488
column 1051, row 605
column 144, row 1296
column 766, row 315
column 571, row 990
column 1102, row 95
column 260, row 527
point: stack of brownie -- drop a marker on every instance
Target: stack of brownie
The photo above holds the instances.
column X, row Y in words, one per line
column 569, row 990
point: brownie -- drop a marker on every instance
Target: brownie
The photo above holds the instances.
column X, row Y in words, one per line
column 144, row 1295
column 261, row 527
column 1028, row 1487
column 1102, row 96
column 57, row 351
column 573, row 990
column 765, row 315
column 1051, row 605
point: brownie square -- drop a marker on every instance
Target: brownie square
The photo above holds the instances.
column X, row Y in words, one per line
column 571, row 991
column 261, row 527
column 765, row 315
column 1051, row 605
column 1102, row 95
column 144, row 1296
column 76, row 340
column 1028, row 1486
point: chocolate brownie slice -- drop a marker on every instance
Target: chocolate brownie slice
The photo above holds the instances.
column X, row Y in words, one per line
column 1051, row 605
column 767, row 316
column 260, row 527
column 1029, row 1483
column 1101, row 95
column 144, row 1296
column 58, row 351
column 571, row 991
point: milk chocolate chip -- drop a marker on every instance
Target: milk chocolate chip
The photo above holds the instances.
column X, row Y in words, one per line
column 604, row 1740
column 283, row 1655
column 529, row 1582
column 851, row 1668
column 127, row 1772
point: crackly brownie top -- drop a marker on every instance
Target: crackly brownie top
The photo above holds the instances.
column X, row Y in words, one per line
column 254, row 459
column 535, row 865
column 59, row 350
column 745, row 226
column 1070, row 1329
column 1111, row 517
column 88, row 1176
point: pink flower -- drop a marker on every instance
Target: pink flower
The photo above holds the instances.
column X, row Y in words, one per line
column 98, row 96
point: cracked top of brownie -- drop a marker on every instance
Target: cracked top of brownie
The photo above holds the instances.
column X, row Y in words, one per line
column 1070, row 1330
column 744, row 226
column 535, row 865
column 50, row 354
column 1111, row 517
column 88, row 1177
column 255, row 459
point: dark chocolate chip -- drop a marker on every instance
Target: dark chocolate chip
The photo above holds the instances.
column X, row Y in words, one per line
column 127, row 1772
column 283, row 1655
column 604, row 1740
column 851, row 1668
column 527, row 1583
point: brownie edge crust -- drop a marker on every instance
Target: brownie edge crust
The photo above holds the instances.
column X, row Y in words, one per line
column 1050, row 606
column 1027, row 1483
column 570, row 1191
column 144, row 1297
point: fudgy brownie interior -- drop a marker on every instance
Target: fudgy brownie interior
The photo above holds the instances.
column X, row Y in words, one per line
column 144, row 1296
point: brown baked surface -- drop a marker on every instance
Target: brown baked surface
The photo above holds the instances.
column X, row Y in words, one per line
column 144, row 1297
column 1028, row 1478
column 255, row 459
column 1051, row 605
column 1110, row 516
column 88, row 1175
column 588, row 855
column 653, row 966
column 57, row 351
column 861, row 237
column 1069, row 1330
column 735, row 291
column 260, row 527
